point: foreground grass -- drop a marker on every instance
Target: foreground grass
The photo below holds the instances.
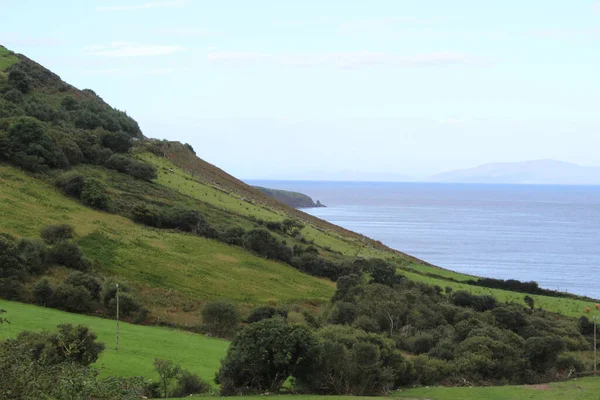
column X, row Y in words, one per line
column 576, row 389
column 173, row 271
column 138, row 345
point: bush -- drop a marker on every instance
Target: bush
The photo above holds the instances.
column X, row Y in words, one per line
column 42, row 292
column 233, row 236
column 220, row 318
column 73, row 299
column 129, row 166
column 350, row 361
column 76, row 344
column 14, row 96
column 189, row 384
column 119, row 142
column 11, row 263
column 69, row 255
column 52, row 234
column 90, row 282
column 71, row 183
column 344, row 313
column 263, row 243
column 11, row 289
column 20, row 80
column 129, row 305
column 264, row 355
column 260, row 313
column 34, row 255
column 94, row 194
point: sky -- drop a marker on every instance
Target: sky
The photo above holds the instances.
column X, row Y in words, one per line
column 334, row 89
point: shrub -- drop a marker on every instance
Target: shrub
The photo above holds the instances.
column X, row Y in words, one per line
column 14, row 96
column 71, row 183
column 42, row 292
column 189, row 384
column 69, row 103
column 20, row 80
column 220, row 318
column 167, row 371
column 71, row 150
column 70, row 343
column 11, row 264
column 90, row 282
column 233, row 236
column 249, row 368
column 94, row 194
column 52, row 234
column 129, row 305
column 260, row 313
column 119, row 142
column 350, row 361
column 69, row 255
column 11, row 289
column 34, row 255
column 344, row 313
column 72, row 298
column 422, row 343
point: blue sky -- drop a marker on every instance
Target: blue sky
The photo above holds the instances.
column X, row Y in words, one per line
column 334, row 89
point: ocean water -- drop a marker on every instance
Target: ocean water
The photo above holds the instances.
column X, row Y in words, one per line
column 549, row 234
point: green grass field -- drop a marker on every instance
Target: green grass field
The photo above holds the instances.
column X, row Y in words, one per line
column 577, row 389
column 171, row 269
column 138, row 345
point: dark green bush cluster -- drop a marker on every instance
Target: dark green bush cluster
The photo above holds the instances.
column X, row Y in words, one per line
column 90, row 191
column 455, row 338
column 20, row 259
column 130, row 166
column 171, row 218
column 38, row 135
column 220, row 319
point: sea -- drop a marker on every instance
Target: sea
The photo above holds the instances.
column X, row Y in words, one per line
column 544, row 233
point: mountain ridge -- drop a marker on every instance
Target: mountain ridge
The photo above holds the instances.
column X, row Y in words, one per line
column 542, row 171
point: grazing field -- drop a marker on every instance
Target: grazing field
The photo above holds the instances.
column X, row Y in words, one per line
column 138, row 345
column 171, row 269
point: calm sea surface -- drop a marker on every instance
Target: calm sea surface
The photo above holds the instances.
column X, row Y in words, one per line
column 550, row 234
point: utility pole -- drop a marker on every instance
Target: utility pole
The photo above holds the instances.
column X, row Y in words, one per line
column 595, row 362
column 118, row 318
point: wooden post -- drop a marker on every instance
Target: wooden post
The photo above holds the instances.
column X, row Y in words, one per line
column 117, row 317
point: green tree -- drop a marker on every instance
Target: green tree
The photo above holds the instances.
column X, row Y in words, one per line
column 264, row 355
column 167, row 371
column 220, row 318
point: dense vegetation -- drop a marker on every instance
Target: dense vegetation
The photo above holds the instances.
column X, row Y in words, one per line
column 456, row 338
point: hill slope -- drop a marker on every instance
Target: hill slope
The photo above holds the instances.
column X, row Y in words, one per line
column 528, row 172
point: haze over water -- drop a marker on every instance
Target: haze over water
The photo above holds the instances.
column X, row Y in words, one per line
column 549, row 234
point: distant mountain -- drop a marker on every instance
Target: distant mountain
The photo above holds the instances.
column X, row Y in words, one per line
column 527, row 172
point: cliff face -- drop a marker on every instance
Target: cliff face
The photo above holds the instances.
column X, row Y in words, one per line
column 292, row 199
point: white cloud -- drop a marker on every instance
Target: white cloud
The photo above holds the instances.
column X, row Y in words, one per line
column 145, row 6
column 126, row 49
column 348, row 59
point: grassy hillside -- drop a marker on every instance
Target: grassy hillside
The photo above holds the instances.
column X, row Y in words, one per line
column 7, row 58
column 138, row 345
column 172, row 270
